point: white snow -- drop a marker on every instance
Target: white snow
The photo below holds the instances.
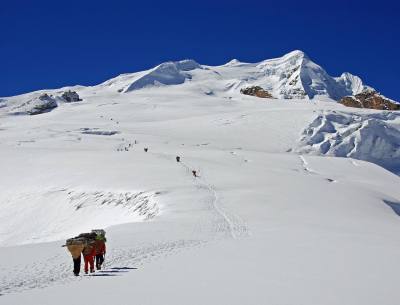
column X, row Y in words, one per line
column 369, row 136
column 169, row 73
column 36, row 105
column 273, row 218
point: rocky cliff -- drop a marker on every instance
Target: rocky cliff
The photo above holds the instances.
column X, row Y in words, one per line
column 370, row 99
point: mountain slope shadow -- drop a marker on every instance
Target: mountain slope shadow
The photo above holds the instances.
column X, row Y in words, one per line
column 394, row 205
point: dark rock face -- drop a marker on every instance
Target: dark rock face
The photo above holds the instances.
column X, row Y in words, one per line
column 256, row 91
column 42, row 104
column 369, row 99
column 70, row 96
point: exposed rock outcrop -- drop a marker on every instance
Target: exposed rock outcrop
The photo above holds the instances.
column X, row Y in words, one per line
column 370, row 99
column 70, row 96
column 256, row 91
column 43, row 103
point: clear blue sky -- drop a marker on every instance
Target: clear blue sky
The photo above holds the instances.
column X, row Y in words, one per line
column 49, row 44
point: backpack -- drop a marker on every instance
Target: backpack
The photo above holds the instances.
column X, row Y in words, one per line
column 99, row 232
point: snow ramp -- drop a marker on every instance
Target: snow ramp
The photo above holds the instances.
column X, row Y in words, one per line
column 55, row 214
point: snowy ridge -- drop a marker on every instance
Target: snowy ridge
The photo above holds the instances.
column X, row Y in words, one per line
column 299, row 77
column 352, row 84
column 169, row 73
column 292, row 76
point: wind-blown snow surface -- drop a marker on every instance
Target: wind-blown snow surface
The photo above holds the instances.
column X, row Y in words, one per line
column 261, row 225
column 374, row 137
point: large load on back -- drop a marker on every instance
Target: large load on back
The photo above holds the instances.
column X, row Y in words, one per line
column 77, row 241
column 87, row 238
column 88, row 235
column 82, row 239
column 76, row 245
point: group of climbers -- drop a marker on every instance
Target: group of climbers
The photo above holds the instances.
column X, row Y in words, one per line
column 93, row 248
column 93, row 245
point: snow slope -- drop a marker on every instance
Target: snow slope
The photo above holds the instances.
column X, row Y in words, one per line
column 274, row 216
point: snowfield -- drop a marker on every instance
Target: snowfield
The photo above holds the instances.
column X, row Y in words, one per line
column 296, row 202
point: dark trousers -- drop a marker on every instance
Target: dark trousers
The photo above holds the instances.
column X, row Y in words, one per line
column 77, row 265
column 99, row 260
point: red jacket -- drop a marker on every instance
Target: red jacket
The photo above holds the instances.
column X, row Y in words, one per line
column 100, row 247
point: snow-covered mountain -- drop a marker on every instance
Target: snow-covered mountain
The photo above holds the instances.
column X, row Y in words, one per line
column 292, row 76
column 295, row 76
column 294, row 202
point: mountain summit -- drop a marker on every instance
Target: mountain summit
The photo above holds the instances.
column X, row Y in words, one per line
column 295, row 75
column 292, row 76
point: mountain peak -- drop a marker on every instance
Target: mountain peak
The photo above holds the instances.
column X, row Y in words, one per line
column 186, row 64
column 233, row 62
column 296, row 53
column 167, row 73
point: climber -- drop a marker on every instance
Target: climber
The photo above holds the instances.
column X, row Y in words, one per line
column 89, row 253
column 100, row 248
column 75, row 246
